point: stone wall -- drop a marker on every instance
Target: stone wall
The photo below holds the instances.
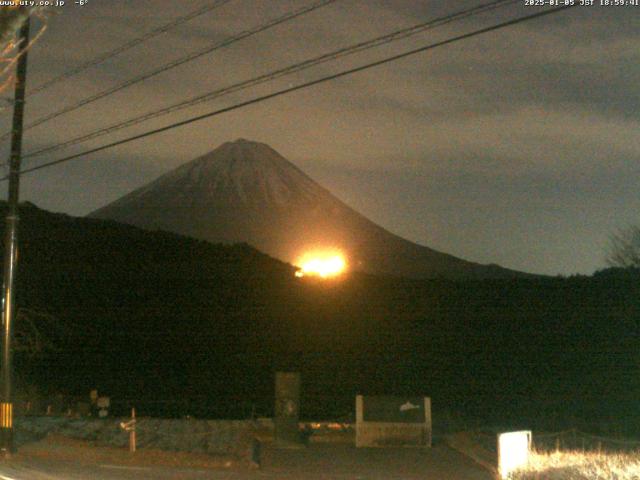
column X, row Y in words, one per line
column 215, row 437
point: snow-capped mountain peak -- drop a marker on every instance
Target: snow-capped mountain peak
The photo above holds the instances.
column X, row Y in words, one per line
column 245, row 191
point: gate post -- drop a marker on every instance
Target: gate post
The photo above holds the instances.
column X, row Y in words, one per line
column 287, row 410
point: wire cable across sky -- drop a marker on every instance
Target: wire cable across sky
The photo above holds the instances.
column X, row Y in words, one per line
column 188, row 58
column 289, row 70
column 300, row 87
column 127, row 46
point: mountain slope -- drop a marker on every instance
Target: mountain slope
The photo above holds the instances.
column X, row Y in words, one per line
column 246, row 192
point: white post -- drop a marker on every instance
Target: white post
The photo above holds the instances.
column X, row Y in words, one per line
column 132, row 432
column 427, row 419
column 359, row 419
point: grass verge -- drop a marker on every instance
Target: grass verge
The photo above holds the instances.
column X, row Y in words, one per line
column 578, row 465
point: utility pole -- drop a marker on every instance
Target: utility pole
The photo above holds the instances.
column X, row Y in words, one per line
column 11, row 248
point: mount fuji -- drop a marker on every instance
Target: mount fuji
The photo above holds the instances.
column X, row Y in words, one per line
column 245, row 191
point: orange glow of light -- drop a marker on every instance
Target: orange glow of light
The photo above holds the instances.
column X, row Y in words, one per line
column 321, row 264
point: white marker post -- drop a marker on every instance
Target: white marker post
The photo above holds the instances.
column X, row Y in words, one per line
column 132, row 432
column 513, row 451
column 130, row 427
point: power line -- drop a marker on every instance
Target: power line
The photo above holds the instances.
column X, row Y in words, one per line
column 229, row 41
column 291, row 69
column 300, row 87
column 124, row 47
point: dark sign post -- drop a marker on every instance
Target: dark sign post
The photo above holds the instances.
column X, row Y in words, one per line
column 11, row 246
column 287, row 409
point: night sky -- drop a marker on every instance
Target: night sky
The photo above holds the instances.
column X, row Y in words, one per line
column 519, row 147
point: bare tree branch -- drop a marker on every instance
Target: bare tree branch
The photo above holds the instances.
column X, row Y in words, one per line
column 624, row 250
column 28, row 334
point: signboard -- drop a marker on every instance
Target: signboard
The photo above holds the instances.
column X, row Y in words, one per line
column 393, row 409
column 393, row 421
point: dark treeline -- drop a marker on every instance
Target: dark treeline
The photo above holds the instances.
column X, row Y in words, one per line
column 178, row 326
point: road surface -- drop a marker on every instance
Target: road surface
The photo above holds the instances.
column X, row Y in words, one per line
column 316, row 462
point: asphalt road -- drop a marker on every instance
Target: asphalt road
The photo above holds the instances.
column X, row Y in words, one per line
column 318, row 462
